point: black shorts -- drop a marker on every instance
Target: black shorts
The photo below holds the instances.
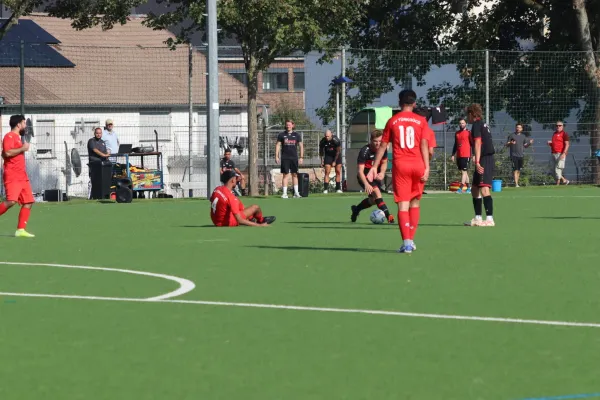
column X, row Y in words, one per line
column 289, row 166
column 484, row 180
column 376, row 183
column 517, row 163
column 328, row 159
column 462, row 163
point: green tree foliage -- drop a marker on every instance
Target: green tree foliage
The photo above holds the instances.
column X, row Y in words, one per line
column 266, row 30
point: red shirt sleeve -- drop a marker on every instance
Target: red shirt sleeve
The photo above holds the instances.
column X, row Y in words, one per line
column 8, row 143
column 387, row 132
column 430, row 136
column 565, row 136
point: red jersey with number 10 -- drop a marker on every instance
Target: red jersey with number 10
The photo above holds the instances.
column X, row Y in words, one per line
column 405, row 131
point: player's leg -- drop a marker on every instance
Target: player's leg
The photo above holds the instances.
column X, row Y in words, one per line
column 338, row 175
column 363, row 205
column 285, row 170
column 402, row 196
column 477, row 200
column 294, row 171
column 378, row 200
column 26, row 200
column 326, row 177
column 485, row 186
column 13, row 191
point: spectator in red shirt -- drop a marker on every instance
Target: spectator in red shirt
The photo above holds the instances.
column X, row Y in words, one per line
column 462, row 152
column 559, row 146
column 16, row 182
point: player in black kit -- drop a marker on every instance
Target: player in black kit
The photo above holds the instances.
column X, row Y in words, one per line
column 484, row 167
column 366, row 156
column 227, row 164
column 330, row 150
column 288, row 141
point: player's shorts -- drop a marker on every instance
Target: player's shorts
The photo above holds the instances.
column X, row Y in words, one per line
column 19, row 191
column 289, row 166
column 407, row 184
column 485, row 180
column 328, row 159
column 376, row 183
column 462, row 163
column 517, row 163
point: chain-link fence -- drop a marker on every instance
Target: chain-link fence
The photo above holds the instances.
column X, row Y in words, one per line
column 156, row 98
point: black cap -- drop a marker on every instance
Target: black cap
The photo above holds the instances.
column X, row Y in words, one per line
column 227, row 175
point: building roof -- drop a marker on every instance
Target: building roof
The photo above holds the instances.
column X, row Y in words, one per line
column 126, row 65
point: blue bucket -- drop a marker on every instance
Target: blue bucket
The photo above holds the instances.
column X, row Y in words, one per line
column 496, row 185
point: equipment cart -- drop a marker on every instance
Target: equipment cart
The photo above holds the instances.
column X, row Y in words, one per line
column 145, row 170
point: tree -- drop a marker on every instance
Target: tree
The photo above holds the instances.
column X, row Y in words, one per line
column 84, row 13
column 544, row 60
column 266, row 30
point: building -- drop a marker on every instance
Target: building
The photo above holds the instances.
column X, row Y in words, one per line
column 75, row 80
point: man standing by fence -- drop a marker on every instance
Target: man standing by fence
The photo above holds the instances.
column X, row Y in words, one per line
column 516, row 143
column 330, row 150
column 462, row 151
column 559, row 145
column 287, row 142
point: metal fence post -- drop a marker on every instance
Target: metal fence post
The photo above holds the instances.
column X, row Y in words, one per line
column 22, row 78
column 343, row 116
column 487, row 87
column 190, row 119
column 266, row 157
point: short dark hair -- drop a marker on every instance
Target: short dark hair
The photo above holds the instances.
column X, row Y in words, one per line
column 376, row 133
column 227, row 150
column 519, row 124
column 407, row 97
column 16, row 120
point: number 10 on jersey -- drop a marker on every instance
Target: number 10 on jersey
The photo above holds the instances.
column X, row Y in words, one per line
column 406, row 137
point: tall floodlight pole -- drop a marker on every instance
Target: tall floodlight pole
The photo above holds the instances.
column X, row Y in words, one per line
column 212, row 99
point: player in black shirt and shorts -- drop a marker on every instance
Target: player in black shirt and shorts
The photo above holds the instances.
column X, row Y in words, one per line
column 483, row 147
column 287, row 141
column 366, row 156
column 227, row 164
column 330, row 150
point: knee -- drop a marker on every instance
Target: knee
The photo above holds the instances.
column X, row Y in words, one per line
column 10, row 203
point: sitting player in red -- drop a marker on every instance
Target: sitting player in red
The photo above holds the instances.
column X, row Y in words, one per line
column 408, row 133
column 227, row 210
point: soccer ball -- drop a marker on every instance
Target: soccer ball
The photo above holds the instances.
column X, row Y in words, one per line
column 378, row 217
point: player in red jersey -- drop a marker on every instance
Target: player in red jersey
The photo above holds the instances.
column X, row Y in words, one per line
column 407, row 132
column 227, row 210
column 462, row 152
column 16, row 181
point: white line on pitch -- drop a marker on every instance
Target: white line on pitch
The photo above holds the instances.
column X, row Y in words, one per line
column 185, row 286
column 319, row 309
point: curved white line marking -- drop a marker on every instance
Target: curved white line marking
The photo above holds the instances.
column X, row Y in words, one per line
column 185, row 285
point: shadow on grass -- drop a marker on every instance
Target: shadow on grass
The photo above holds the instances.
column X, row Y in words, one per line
column 311, row 248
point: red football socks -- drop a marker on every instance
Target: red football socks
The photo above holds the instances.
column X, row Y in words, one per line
column 23, row 217
column 404, row 223
column 415, row 214
column 3, row 208
column 259, row 217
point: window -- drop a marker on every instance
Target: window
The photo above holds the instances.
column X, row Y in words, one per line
column 298, row 79
column 275, row 79
column 45, row 138
column 240, row 76
column 155, row 120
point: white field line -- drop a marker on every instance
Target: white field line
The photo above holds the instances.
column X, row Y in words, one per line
column 320, row 309
column 185, row 285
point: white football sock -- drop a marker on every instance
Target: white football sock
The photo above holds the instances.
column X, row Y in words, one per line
column 285, row 190
column 295, row 189
column 489, row 218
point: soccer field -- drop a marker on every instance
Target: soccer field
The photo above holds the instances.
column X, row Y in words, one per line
column 312, row 307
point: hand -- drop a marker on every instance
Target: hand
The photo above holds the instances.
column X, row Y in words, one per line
column 531, row 141
column 322, row 163
column 276, row 160
column 333, row 164
column 563, row 156
column 380, row 176
column 425, row 176
column 368, row 189
column 25, row 146
column 301, row 160
column 452, row 158
column 372, row 175
column 480, row 169
column 549, row 142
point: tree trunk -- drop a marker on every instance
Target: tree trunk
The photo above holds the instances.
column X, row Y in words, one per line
column 252, row 72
